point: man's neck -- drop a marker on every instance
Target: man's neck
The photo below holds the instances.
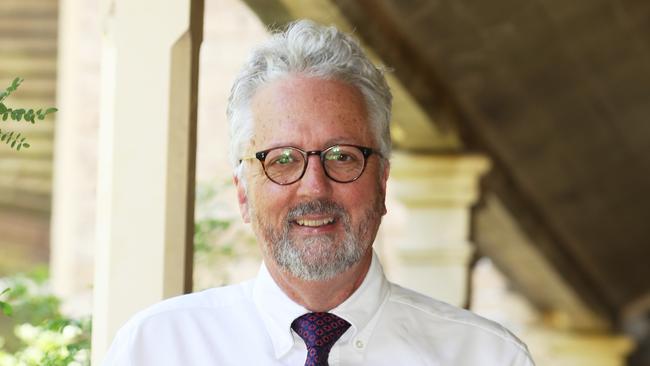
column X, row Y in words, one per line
column 321, row 295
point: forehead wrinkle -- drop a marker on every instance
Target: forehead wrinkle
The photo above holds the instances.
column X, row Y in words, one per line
column 291, row 88
column 282, row 102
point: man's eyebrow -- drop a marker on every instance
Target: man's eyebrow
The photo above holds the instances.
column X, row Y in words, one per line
column 339, row 140
column 328, row 143
column 279, row 144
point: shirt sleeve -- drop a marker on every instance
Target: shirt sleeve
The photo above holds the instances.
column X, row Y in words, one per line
column 523, row 358
column 119, row 353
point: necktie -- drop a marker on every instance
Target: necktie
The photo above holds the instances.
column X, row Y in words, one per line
column 319, row 331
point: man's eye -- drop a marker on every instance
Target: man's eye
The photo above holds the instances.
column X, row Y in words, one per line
column 338, row 156
column 284, row 159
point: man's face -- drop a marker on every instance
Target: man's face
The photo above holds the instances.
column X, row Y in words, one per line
column 314, row 228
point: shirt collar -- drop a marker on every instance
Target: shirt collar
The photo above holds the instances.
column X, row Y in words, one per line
column 278, row 311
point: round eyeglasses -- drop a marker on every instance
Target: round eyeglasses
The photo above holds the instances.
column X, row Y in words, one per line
column 286, row 165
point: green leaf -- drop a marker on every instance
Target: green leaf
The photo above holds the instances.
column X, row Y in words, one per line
column 29, row 115
column 12, row 88
column 6, row 308
column 41, row 115
column 17, row 114
column 13, row 140
column 15, row 84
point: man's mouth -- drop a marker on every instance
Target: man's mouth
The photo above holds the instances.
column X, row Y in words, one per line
column 315, row 223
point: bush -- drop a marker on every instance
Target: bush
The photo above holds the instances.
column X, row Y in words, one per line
column 34, row 332
column 42, row 336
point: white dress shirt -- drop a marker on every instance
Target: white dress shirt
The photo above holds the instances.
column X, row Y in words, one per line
column 250, row 324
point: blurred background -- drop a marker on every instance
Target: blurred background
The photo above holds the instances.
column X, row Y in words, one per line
column 519, row 184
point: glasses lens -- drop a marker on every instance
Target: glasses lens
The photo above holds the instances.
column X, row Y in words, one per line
column 284, row 165
column 343, row 163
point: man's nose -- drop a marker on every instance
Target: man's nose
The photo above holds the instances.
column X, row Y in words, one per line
column 314, row 182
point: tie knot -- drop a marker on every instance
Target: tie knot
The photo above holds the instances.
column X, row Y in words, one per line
column 320, row 330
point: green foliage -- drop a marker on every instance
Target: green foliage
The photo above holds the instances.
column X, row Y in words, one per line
column 10, row 89
column 16, row 140
column 221, row 240
column 42, row 335
column 5, row 306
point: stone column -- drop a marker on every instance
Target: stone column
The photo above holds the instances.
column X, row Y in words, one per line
column 75, row 155
column 430, row 248
column 147, row 142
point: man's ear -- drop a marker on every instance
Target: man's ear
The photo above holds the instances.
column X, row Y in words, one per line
column 242, row 198
column 382, row 181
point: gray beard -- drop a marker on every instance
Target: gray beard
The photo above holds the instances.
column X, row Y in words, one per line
column 321, row 257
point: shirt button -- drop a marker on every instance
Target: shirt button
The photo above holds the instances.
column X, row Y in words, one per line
column 358, row 343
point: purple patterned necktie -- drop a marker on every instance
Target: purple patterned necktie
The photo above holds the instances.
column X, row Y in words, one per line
column 319, row 331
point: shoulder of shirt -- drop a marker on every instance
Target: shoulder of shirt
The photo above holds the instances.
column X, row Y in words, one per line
column 442, row 311
column 210, row 299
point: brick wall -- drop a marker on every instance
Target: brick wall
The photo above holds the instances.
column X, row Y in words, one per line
column 28, row 41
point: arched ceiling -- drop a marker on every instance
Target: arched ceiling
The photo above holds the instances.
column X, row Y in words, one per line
column 557, row 93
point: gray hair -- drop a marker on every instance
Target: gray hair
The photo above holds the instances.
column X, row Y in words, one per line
column 312, row 50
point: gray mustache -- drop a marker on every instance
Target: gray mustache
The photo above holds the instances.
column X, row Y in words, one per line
column 316, row 207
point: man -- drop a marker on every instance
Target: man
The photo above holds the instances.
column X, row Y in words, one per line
column 309, row 121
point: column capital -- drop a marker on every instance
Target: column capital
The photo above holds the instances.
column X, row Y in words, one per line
column 432, row 249
column 443, row 179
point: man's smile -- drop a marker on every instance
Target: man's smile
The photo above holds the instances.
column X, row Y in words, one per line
column 315, row 225
column 315, row 222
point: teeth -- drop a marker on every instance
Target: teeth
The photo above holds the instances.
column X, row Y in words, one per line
column 314, row 223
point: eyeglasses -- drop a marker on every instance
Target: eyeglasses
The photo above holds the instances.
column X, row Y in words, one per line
column 286, row 165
